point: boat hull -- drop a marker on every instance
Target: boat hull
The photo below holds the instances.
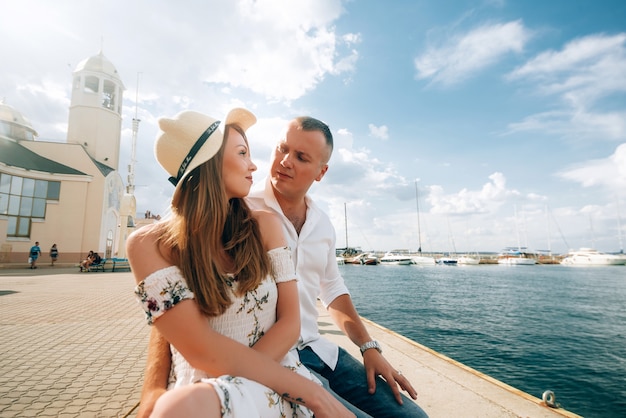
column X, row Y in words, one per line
column 396, row 258
column 395, row 262
column 468, row 261
column 447, row 261
column 517, row 261
column 422, row 260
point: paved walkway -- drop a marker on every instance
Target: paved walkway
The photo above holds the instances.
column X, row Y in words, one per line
column 72, row 344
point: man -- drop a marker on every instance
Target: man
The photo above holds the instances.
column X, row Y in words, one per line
column 35, row 252
column 301, row 158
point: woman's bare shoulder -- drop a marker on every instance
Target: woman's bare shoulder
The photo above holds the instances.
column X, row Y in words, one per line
column 145, row 236
column 271, row 228
column 143, row 251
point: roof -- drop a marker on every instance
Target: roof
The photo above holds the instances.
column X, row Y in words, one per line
column 15, row 155
column 104, row 169
column 11, row 116
column 100, row 64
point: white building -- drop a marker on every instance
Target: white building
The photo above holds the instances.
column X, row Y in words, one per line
column 67, row 193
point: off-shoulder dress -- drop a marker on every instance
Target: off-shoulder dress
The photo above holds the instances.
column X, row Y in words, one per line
column 245, row 321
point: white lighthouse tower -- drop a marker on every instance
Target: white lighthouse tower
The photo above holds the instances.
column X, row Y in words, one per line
column 95, row 117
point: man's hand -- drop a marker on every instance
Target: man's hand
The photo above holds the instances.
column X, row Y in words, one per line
column 376, row 364
column 156, row 374
column 148, row 399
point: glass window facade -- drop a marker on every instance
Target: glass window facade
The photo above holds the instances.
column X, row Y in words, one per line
column 23, row 199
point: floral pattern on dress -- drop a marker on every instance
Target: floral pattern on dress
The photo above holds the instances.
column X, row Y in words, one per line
column 251, row 303
column 171, row 293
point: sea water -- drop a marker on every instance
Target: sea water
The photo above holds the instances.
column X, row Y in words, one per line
column 536, row 328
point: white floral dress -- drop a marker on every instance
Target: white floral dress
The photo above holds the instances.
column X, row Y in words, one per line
column 245, row 321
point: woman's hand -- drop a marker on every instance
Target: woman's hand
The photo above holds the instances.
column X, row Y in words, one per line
column 330, row 407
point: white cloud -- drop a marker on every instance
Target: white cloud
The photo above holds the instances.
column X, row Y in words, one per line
column 586, row 71
column 198, row 54
column 465, row 55
column 487, row 199
column 578, row 123
column 607, row 173
column 380, row 132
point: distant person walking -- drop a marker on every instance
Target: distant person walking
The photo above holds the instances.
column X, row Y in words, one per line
column 54, row 254
column 34, row 254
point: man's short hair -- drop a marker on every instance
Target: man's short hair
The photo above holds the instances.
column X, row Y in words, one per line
column 308, row 123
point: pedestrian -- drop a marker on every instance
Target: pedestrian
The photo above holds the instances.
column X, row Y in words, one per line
column 35, row 252
column 54, row 254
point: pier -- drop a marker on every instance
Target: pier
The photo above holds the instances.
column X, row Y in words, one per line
column 74, row 345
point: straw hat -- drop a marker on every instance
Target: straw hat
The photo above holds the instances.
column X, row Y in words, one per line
column 191, row 138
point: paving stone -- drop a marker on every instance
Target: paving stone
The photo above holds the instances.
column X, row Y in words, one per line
column 69, row 344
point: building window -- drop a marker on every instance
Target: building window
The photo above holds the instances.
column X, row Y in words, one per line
column 108, row 95
column 91, row 84
column 23, row 199
column 109, row 246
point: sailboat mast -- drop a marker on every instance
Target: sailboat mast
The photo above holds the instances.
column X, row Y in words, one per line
column 548, row 228
column 519, row 242
column 345, row 212
column 419, row 232
column 619, row 229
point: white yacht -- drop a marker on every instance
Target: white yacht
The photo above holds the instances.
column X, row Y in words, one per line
column 469, row 259
column 517, row 257
column 422, row 260
column 392, row 258
column 592, row 257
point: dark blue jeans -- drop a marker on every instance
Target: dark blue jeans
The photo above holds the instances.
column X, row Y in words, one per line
column 349, row 382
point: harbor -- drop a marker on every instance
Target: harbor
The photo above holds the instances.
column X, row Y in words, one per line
column 535, row 328
column 74, row 345
column 509, row 256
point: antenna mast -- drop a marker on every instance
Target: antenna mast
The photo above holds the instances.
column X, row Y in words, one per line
column 130, row 189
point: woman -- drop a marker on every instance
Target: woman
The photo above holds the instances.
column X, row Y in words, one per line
column 84, row 265
column 54, row 254
column 216, row 279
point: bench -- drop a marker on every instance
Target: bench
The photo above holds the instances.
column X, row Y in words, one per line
column 120, row 264
column 97, row 266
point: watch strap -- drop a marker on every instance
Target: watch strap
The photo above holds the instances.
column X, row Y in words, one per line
column 370, row 344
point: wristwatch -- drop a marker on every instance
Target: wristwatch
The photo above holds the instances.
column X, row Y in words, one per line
column 370, row 344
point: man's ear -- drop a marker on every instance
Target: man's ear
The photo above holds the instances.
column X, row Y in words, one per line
column 320, row 176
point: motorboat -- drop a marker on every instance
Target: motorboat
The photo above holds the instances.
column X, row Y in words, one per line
column 368, row 259
column 349, row 255
column 448, row 261
column 392, row 258
column 422, row 260
column 592, row 257
column 517, row 257
column 468, row 259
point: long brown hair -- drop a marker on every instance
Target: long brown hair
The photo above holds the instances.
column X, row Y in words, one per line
column 205, row 227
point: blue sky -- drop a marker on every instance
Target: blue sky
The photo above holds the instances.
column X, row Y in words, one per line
column 508, row 116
